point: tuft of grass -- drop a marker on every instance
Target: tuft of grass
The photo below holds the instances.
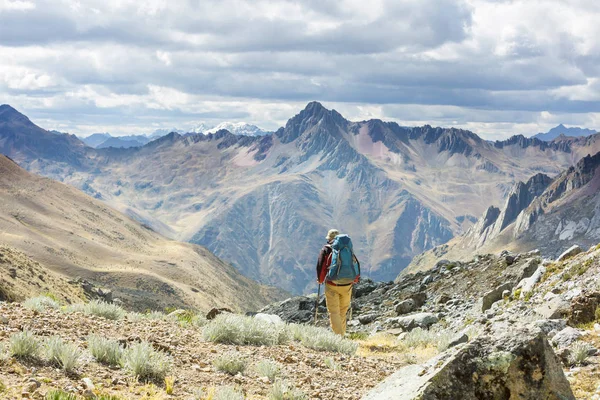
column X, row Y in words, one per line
column 65, row 355
column 282, row 390
column 23, row 345
column 41, row 304
column 419, row 337
column 2, row 387
column 169, row 385
column 145, row 363
column 322, row 339
column 268, row 368
column 231, row 363
column 60, row 395
column 227, row 393
column 529, row 295
column 74, row 308
column 597, row 313
column 108, row 397
column 242, row 330
column 517, row 293
column 104, row 310
column 579, row 353
column 105, row 351
column 331, row 364
column 357, row 335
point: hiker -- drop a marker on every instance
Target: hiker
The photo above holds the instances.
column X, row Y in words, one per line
column 339, row 268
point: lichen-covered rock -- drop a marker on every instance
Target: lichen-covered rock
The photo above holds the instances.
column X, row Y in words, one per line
column 583, row 308
column 410, row 322
column 494, row 295
column 555, row 308
column 517, row 365
column 570, row 252
column 404, row 307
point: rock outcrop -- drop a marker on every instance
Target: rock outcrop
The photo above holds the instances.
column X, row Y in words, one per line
column 520, row 364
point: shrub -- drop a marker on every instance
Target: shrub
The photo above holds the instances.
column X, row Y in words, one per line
column 231, row 363
column 331, row 364
column 2, row 387
column 146, row 363
column 238, row 329
column 579, row 353
column 597, row 314
column 358, row 335
column 65, row 355
column 419, row 337
column 40, row 304
column 108, row 397
column 74, row 308
column 60, row 395
column 106, row 351
column 324, row 340
column 267, row 368
column 23, row 345
column 282, row 390
column 104, row 310
column 228, row 393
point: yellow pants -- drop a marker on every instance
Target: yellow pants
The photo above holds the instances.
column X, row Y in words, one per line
column 338, row 301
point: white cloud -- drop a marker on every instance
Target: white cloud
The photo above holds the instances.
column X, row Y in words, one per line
column 18, row 5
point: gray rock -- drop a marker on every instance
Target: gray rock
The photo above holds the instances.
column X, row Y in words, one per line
column 494, row 295
column 527, row 284
column 458, row 339
column 570, row 252
column 405, row 307
column 556, row 308
column 520, row 363
column 528, row 269
column 410, row 322
column 566, row 337
column 3, row 320
column 364, row 287
column 549, row 325
column 368, row 318
column 427, row 280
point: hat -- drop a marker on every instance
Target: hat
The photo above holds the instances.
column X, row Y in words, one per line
column 332, row 234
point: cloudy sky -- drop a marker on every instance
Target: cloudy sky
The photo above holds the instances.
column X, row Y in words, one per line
column 497, row 67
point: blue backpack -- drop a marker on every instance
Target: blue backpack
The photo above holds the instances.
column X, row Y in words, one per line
column 344, row 264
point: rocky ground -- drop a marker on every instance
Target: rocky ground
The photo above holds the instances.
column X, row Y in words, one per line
column 192, row 358
column 488, row 296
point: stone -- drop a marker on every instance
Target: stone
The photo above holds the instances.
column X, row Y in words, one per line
column 269, row 318
column 557, row 308
column 527, row 284
column 520, row 363
column 216, row 311
column 427, row 280
column 570, row 252
column 3, row 320
column 419, row 298
column 583, row 308
column 406, row 306
column 528, row 269
column 364, row 287
column 566, row 337
column 458, row 339
column 410, row 322
column 494, row 295
column 549, row 325
column 368, row 318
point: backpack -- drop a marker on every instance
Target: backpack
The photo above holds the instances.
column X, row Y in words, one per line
column 344, row 264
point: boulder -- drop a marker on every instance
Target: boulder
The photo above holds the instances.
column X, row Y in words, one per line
column 519, row 364
column 556, row 308
column 528, row 269
column 570, row 252
column 364, row 287
column 549, row 325
column 368, row 318
column 583, row 308
column 410, row 322
column 419, row 298
column 566, row 337
column 494, row 295
column 405, row 307
column 270, row 318
column 527, row 284
column 458, row 339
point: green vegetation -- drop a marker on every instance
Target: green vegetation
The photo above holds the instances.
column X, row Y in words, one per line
column 331, row 364
column 105, row 351
column 579, row 353
column 267, row 368
column 282, row 390
column 419, row 337
column 145, row 363
column 40, row 304
column 238, row 329
column 529, row 295
column 63, row 354
column 23, row 345
column 104, row 310
column 60, row 395
column 231, row 363
column 597, row 313
column 357, row 335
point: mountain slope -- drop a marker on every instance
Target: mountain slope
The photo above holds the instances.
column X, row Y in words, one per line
column 265, row 203
column 546, row 214
column 95, row 139
column 562, row 130
column 74, row 235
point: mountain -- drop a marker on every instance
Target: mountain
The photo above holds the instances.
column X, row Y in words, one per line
column 67, row 234
column 95, row 139
column 265, row 203
column 163, row 132
column 559, row 130
column 124, row 142
column 542, row 213
column 200, row 128
column 237, row 128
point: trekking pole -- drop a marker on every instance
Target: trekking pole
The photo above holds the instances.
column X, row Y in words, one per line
column 317, row 304
column 349, row 317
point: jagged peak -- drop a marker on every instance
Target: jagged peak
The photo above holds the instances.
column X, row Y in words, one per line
column 10, row 114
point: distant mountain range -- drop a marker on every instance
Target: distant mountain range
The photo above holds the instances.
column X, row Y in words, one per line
column 264, row 203
column 559, row 130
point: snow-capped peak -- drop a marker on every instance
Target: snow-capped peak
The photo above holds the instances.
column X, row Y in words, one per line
column 238, row 128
